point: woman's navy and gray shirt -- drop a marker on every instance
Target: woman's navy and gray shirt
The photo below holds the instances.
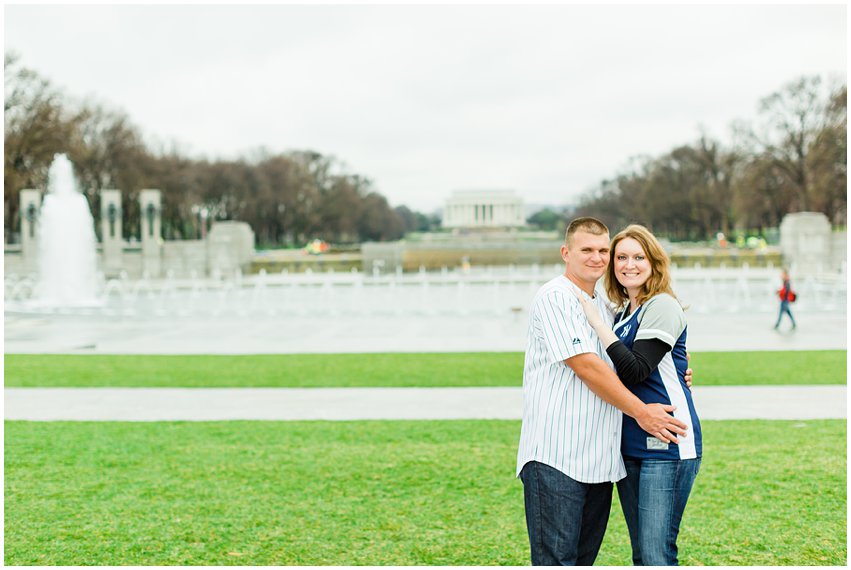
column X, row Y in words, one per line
column 650, row 359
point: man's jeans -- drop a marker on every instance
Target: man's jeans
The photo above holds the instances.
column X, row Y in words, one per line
column 566, row 519
column 653, row 497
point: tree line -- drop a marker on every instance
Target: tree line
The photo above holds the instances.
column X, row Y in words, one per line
column 791, row 158
column 287, row 198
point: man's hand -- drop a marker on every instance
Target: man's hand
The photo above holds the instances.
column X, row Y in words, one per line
column 687, row 375
column 653, row 418
column 656, row 420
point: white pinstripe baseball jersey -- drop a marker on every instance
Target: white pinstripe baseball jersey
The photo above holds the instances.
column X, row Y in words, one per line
column 565, row 425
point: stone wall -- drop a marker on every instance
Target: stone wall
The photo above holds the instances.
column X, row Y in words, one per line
column 184, row 258
column 433, row 256
column 229, row 247
column 839, row 251
column 382, row 257
column 13, row 261
column 809, row 246
column 131, row 258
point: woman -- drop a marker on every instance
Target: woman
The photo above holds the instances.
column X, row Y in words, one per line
column 648, row 349
column 786, row 296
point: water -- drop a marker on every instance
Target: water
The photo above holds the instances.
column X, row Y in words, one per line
column 505, row 292
column 355, row 312
column 67, row 243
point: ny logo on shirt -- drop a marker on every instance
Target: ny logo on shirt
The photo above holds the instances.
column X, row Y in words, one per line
column 625, row 331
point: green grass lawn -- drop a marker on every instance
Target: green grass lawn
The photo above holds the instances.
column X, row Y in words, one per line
column 382, row 493
column 342, row 370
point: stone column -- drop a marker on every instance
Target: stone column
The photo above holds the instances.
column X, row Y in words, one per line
column 111, row 228
column 30, row 203
column 805, row 242
column 150, row 207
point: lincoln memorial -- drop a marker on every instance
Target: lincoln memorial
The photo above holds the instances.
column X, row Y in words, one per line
column 483, row 209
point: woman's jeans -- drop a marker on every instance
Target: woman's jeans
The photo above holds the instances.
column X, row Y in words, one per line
column 784, row 310
column 566, row 519
column 653, row 497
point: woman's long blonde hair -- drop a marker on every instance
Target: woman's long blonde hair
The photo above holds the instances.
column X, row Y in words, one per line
column 660, row 274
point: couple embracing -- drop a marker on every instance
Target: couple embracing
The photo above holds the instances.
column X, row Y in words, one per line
column 607, row 399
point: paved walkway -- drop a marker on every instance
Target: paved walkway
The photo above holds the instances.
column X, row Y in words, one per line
column 208, row 404
column 351, row 333
column 68, row 334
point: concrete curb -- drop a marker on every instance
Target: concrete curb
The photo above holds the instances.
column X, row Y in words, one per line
column 214, row 404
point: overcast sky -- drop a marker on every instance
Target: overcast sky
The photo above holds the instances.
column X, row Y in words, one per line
column 545, row 100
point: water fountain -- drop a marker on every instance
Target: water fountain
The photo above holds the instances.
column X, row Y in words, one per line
column 480, row 292
column 67, row 254
column 68, row 282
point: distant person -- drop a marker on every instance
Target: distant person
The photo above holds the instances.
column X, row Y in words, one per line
column 786, row 296
column 570, row 438
column 648, row 348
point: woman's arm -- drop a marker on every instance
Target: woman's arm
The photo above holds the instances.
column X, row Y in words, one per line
column 634, row 366
column 604, row 331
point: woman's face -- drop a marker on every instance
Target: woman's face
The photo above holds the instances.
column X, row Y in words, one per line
column 632, row 268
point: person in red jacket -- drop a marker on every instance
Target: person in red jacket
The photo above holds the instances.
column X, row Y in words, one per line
column 786, row 296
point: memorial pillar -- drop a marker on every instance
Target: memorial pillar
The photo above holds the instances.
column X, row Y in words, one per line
column 111, row 231
column 30, row 203
column 151, row 212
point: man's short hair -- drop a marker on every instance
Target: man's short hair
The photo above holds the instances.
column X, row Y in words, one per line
column 584, row 224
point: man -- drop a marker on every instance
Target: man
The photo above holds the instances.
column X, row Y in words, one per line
column 569, row 453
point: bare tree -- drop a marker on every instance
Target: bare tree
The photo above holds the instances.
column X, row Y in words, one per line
column 36, row 126
column 791, row 120
column 794, row 159
column 287, row 198
column 108, row 152
column 828, row 160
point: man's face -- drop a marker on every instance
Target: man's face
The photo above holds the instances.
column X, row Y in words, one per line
column 586, row 256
